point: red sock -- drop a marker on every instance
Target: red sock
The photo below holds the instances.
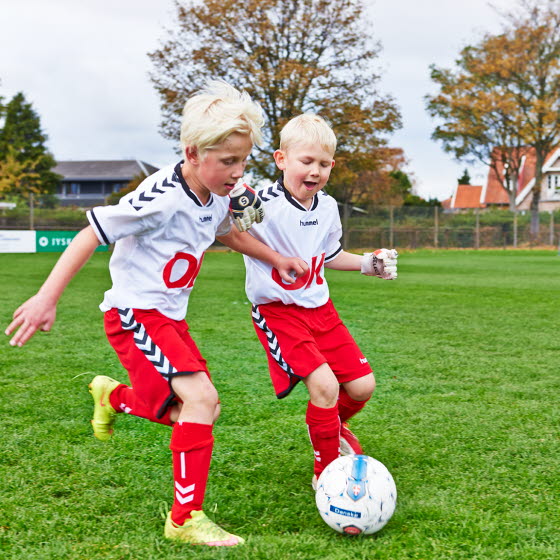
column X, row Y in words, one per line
column 347, row 406
column 324, row 432
column 124, row 399
column 191, row 446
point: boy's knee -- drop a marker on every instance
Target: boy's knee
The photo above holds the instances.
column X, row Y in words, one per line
column 207, row 398
column 361, row 389
column 323, row 389
column 197, row 392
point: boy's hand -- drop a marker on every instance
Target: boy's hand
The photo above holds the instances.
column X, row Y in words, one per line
column 245, row 206
column 381, row 263
column 291, row 268
column 33, row 315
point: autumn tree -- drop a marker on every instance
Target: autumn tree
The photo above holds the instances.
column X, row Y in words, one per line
column 292, row 56
column 132, row 185
column 503, row 98
column 22, row 142
column 17, row 178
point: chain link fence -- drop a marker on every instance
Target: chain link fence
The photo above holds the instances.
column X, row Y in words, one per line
column 417, row 227
column 403, row 227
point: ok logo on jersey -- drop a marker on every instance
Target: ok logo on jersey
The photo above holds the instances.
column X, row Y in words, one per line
column 313, row 274
column 184, row 264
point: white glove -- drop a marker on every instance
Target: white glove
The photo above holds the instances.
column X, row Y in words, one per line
column 245, row 206
column 381, row 263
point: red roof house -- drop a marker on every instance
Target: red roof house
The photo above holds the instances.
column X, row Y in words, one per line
column 494, row 194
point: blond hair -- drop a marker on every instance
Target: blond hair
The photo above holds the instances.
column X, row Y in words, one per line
column 217, row 111
column 310, row 129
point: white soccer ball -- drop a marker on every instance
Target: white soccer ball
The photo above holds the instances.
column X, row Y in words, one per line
column 356, row 494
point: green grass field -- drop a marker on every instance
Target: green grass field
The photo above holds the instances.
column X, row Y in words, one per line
column 465, row 416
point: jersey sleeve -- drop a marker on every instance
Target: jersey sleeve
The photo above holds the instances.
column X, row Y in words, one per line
column 332, row 245
column 145, row 209
column 225, row 225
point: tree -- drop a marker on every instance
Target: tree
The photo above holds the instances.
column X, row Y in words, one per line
column 17, row 178
column 465, row 178
column 504, row 98
column 22, row 140
column 292, row 56
column 114, row 198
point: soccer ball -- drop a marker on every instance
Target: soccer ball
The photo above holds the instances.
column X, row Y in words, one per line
column 356, row 494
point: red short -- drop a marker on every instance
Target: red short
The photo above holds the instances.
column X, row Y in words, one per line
column 298, row 340
column 153, row 349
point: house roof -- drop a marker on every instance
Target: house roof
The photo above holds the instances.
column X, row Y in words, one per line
column 103, row 170
column 467, row 196
column 495, row 193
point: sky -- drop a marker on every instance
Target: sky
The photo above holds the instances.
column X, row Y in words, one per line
column 84, row 67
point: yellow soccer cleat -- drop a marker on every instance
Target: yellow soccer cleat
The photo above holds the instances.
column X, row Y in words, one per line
column 103, row 413
column 200, row 530
column 314, row 482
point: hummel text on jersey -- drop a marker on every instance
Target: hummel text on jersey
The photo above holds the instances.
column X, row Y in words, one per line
column 204, row 219
column 363, row 360
column 309, row 223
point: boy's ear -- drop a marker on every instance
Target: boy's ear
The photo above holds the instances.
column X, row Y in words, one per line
column 191, row 155
column 332, row 164
column 280, row 159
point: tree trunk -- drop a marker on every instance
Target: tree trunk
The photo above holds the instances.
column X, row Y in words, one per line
column 535, row 218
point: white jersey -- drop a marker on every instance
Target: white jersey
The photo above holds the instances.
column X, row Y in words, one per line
column 161, row 232
column 293, row 231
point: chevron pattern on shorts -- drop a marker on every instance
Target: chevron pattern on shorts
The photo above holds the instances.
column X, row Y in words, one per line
column 149, row 194
column 273, row 344
column 144, row 343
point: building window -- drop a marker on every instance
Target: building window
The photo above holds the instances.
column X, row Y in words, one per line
column 553, row 183
column 74, row 189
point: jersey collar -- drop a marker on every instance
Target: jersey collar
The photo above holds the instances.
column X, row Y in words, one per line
column 188, row 190
column 293, row 201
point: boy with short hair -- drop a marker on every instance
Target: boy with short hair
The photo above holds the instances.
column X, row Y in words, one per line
column 297, row 324
column 161, row 231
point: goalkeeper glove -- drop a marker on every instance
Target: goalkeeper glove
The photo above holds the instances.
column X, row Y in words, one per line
column 381, row 263
column 246, row 207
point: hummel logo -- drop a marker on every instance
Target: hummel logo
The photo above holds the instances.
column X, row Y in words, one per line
column 309, row 223
column 363, row 360
column 204, row 219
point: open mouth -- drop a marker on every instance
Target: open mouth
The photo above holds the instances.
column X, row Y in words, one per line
column 309, row 185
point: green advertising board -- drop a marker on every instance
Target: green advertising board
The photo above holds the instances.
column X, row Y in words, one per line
column 57, row 241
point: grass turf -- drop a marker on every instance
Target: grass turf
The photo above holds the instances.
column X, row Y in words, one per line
column 465, row 416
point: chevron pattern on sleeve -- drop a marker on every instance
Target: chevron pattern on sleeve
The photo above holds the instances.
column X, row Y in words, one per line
column 273, row 344
column 147, row 195
column 145, row 344
column 274, row 191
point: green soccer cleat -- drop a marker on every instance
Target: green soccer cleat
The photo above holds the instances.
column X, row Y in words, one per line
column 103, row 413
column 200, row 530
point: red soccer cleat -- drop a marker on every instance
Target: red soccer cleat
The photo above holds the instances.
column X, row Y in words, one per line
column 349, row 443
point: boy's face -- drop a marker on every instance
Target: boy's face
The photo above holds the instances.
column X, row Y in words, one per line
column 217, row 170
column 306, row 168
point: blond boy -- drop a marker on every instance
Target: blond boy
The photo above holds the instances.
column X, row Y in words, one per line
column 296, row 322
column 161, row 231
